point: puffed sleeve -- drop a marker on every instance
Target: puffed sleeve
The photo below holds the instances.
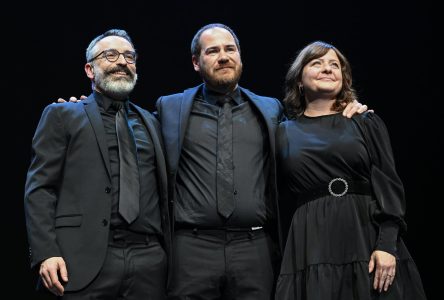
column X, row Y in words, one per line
column 386, row 184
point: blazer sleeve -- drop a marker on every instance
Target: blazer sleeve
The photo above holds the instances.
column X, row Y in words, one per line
column 386, row 184
column 42, row 185
column 158, row 112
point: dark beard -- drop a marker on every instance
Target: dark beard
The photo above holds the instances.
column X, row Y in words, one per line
column 220, row 84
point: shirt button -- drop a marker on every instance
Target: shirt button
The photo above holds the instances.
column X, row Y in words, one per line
column 105, row 222
column 107, row 190
column 235, row 192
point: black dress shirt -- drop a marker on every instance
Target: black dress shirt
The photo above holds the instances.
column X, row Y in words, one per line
column 196, row 177
column 149, row 220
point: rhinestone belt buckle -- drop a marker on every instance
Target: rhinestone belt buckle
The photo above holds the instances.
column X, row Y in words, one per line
column 333, row 181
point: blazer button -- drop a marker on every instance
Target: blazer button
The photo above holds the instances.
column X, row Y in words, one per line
column 235, row 192
column 105, row 222
column 107, row 190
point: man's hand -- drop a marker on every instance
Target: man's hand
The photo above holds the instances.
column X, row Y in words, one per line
column 385, row 271
column 353, row 108
column 72, row 99
column 49, row 272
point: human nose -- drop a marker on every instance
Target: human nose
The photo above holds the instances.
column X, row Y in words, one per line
column 223, row 57
column 121, row 59
column 326, row 68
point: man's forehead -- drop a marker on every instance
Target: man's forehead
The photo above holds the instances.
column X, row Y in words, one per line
column 216, row 35
column 114, row 41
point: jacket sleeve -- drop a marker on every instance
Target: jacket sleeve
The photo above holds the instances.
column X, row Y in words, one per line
column 42, row 185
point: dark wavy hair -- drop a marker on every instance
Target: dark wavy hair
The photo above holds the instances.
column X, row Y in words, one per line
column 294, row 100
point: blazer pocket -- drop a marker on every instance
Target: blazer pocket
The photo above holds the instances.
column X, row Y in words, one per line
column 68, row 221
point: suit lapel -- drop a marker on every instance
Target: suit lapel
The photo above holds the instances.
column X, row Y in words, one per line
column 92, row 111
column 267, row 114
column 184, row 114
column 149, row 120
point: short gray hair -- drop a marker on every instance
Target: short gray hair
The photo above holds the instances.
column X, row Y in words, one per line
column 112, row 32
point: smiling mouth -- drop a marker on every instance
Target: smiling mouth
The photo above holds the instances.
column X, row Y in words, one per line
column 120, row 73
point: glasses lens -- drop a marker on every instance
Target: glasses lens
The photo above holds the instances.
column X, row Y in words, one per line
column 112, row 55
column 130, row 57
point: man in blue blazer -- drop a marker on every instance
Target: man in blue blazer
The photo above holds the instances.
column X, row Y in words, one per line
column 81, row 240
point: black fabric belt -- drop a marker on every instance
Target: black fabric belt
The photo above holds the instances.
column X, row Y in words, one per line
column 180, row 226
column 121, row 236
column 337, row 187
column 223, row 233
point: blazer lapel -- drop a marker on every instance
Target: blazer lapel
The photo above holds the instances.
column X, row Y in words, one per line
column 186, row 104
column 92, row 111
column 160, row 159
column 270, row 119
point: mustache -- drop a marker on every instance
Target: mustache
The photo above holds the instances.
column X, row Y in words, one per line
column 124, row 69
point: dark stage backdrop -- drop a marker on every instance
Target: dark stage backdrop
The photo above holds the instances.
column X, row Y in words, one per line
column 391, row 47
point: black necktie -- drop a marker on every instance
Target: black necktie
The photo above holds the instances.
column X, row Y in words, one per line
column 225, row 197
column 129, row 171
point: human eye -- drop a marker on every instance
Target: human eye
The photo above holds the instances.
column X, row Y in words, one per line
column 231, row 49
column 111, row 54
column 211, row 51
column 130, row 55
column 335, row 65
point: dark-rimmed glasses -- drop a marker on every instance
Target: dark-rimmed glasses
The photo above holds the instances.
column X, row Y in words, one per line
column 112, row 55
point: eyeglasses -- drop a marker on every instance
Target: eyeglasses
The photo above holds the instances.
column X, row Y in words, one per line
column 113, row 55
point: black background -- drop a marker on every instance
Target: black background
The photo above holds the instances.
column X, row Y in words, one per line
column 392, row 47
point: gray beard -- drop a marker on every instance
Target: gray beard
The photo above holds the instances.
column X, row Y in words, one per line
column 116, row 89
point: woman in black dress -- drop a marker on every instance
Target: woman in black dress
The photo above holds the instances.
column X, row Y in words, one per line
column 344, row 240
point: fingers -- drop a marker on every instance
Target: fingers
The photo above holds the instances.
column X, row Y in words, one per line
column 348, row 107
column 351, row 109
column 362, row 109
column 71, row 99
column 371, row 264
column 385, row 269
column 377, row 279
column 388, row 281
column 63, row 272
column 385, row 281
column 49, row 278
column 49, row 273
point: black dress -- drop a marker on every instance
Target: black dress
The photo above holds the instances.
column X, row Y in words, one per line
column 331, row 237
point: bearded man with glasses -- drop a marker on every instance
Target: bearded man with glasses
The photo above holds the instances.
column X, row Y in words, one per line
column 96, row 190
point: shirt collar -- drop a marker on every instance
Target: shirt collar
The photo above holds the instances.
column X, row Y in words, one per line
column 211, row 96
column 106, row 102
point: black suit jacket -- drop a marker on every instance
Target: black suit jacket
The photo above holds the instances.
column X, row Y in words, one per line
column 173, row 112
column 67, row 193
